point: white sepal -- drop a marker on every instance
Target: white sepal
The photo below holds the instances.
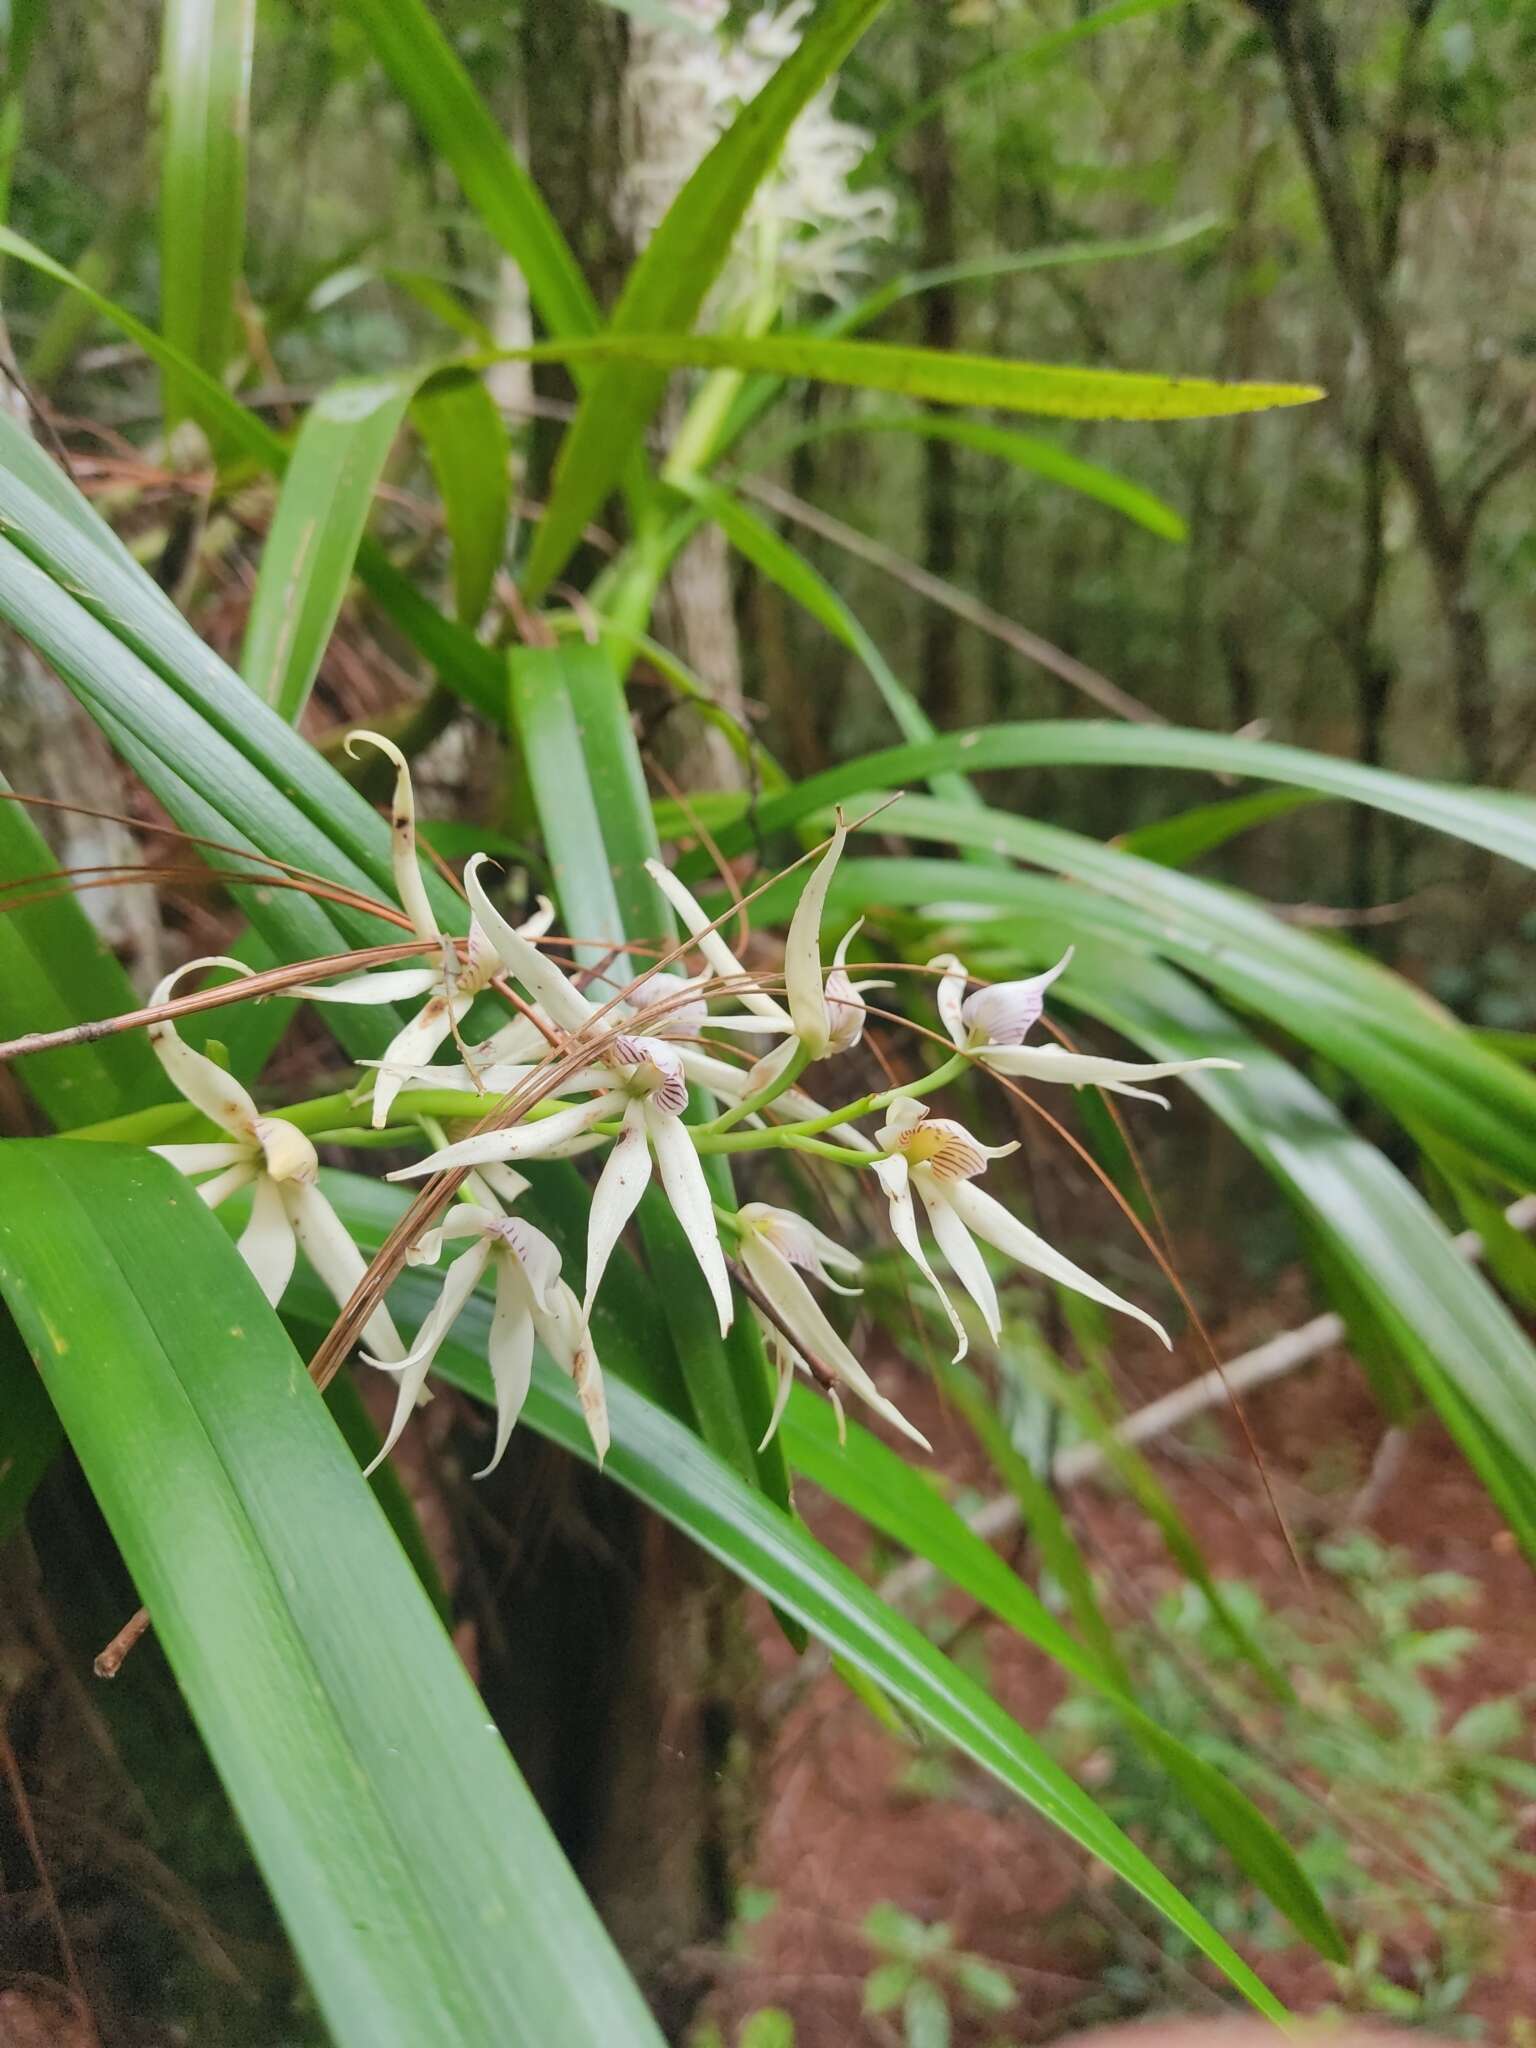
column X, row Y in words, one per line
column 336, row 1259
column 990, row 1221
column 509, row 1352
column 709, row 942
column 540, row 1139
column 893, row 1177
column 410, row 886
column 560, row 998
column 624, row 1179
column 267, row 1242
column 803, row 980
column 1119, row 1077
column 682, row 1176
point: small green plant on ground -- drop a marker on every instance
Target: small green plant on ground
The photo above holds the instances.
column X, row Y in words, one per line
column 1405, row 1815
column 927, row 1979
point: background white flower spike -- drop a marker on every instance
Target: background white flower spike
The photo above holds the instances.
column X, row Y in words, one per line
column 275, row 1160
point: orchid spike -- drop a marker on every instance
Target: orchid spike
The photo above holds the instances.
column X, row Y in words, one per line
column 272, row 1158
column 940, row 1161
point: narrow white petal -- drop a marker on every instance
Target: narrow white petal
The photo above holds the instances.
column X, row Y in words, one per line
column 803, row 979
column 409, row 885
column 504, row 1182
column 524, row 962
column 564, row 1334
column 951, row 994
column 413, row 1046
column 803, row 1317
column 201, row 1158
column 397, row 985
column 682, row 1175
column 712, row 945
column 1053, row 1063
column 336, row 1259
column 625, row 1176
column 229, row 1182
column 459, row 1283
column 539, row 1139
column 719, row 1076
column 204, row 1084
column 786, row 1371
column 892, row 1176
column 509, row 1350
column 959, row 1247
column 266, row 1243
column 462, row 1219
column 991, row 1221
column 408, row 1392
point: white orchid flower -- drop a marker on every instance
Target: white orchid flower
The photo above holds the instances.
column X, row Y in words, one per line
column 450, row 986
column 275, row 1161
column 992, row 1024
column 642, row 1082
column 940, row 1161
column 532, row 1301
column 776, row 1248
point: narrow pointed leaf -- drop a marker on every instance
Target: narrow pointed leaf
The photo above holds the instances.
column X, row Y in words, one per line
column 311, row 549
column 422, row 1888
column 205, row 79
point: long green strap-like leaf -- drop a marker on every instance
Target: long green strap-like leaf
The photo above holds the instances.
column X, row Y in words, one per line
column 423, row 1891
column 56, row 971
column 310, row 552
column 665, row 1465
column 1503, row 824
column 205, row 80
column 466, row 442
column 672, row 278
column 430, row 78
column 1044, row 459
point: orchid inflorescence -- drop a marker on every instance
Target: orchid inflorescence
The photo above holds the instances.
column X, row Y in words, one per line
column 616, row 1076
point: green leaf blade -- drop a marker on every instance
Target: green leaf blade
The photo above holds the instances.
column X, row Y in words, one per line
column 421, row 1886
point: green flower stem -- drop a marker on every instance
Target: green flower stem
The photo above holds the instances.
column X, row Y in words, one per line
column 751, row 1105
column 756, row 1141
